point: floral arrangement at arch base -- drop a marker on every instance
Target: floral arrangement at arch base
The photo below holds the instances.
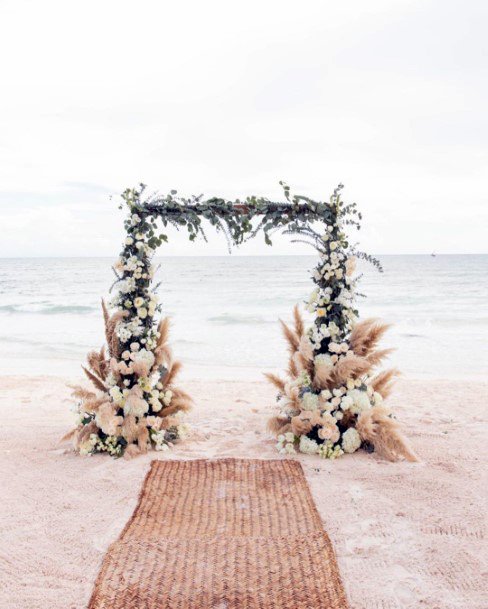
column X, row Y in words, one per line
column 332, row 401
column 134, row 404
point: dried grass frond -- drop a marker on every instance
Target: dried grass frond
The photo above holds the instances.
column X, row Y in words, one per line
column 303, row 423
column 172, row 373
column 106, row 319
column 375, row 426
column 176, row 405
column 292, row 369
column 383, row 382
column 291, row 338
column 94, row 379
column 168, row 422
column 70, row 435
column 132, row 450
column 279, row 425
column 366, row 335
column 81, row 393
column 142, row 438
column 322, row 375
column 163, row 356
column 376, row 357
column 129, row 428
column 163, row 329
column 305, row 348
column 351, row 366
column 179, row 393
column 93, row 404
column 84, row 432
column 299, row 324
column 275, row 380
column 95, row 362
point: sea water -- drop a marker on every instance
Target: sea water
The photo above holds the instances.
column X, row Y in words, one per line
column 225, row 312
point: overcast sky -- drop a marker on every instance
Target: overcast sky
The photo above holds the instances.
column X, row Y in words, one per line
column 227, row 98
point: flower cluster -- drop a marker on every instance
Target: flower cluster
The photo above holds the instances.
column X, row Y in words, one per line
column 332, row 402
column 136, row 404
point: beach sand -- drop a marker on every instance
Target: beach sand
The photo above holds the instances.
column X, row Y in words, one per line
column 406, row 535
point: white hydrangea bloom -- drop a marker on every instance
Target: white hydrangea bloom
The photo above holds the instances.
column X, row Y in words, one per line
column 351, row 440
column 310, row 401
column 308, row 446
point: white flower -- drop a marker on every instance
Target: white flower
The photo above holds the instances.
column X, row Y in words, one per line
column 351, row 440
column 333, row 245
column 138, row 302
column 310, row 401
column 145, row 356
column 129, row 241
column 127, row 286
column 167, row 397
column 142, row 313
column 360, row 401
column 116, row 395
column 123, row 333
column 334, row 347
column 135, row 219
column 322, row 359
column 378, row 398
column 308, row 446
column 289, row 436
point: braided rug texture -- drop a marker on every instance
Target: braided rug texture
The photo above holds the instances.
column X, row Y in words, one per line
column 224, row 534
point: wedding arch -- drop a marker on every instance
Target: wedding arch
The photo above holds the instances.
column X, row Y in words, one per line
column 331, row 401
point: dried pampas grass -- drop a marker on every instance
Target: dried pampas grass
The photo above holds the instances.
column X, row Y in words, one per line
column 383, row 382
column 322, row 375
column 279, row 425
column 375, row 426
column 275, row 380
column 172, row 371
column 111, row 322
column 94, row 379
column 291, row 338
column 131, row 450
column 176, row 405
column 298, row 320
column 351, row 366
column 366, row 335
column 129, row 428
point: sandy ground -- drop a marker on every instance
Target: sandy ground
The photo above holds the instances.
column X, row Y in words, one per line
column 405, row 535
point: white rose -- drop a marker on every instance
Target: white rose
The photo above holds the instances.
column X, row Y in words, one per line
column 142, row 313
column 129, row 241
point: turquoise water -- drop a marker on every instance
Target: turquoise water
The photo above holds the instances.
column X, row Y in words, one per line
column 225, row 311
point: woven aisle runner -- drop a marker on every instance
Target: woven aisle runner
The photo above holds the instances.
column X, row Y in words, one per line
column 224, row 534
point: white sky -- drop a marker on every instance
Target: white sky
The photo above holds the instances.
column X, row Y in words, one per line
column 227, row 98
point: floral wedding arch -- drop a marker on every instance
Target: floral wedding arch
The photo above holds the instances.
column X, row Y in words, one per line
column 331, row 401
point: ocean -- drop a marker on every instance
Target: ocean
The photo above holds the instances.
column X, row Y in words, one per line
column 225, row 312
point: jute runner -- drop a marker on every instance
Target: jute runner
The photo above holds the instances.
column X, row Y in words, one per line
column 225, row 534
